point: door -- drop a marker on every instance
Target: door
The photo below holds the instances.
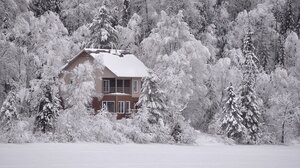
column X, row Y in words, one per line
column 124, row 106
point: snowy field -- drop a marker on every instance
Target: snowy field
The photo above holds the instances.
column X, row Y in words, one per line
column 92, row 155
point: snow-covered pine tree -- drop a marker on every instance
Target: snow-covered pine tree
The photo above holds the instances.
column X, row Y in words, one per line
column 248, row 100
column 152, row 98
column 126, row 13
column 47, row 110
column 8, row 111
column 103, row 34
column 280, row 54
column 232, row 117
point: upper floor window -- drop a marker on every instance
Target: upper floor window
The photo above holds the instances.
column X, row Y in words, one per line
column 135, row 86
column 106, row 86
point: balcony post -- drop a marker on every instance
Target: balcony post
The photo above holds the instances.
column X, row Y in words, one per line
column 116, row 85
column 123, row 86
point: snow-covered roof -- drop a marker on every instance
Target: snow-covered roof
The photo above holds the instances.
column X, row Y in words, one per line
column 121, row 63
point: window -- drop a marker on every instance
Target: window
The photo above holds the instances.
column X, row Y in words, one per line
column 108, row 105
column 124, row 106
column 106, row 86
column 135, row 86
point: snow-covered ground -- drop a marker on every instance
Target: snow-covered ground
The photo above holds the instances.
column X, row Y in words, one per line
column 93, row 155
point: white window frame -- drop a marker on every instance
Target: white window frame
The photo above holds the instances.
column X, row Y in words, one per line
column 105, row 102
column 106, row 89
column 135, row 83
column 122, row 106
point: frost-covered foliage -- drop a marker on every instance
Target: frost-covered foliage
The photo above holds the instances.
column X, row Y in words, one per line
column 291, row 49
column 195, row 48
column 265, row 34
column 232, row 121
column 152, row 100
column 104, row 34
column 129, row 37
column 169, row 36
column 39, row 7
column 284, row 110
column 80, row 90
column 158, row 118
column 180, row 62
column 11, row 68
column 248, row 100
column 8, row 111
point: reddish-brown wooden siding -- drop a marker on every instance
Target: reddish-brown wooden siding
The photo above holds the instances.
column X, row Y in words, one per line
column 97, row 104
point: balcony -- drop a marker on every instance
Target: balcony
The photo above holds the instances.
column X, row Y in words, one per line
column 113, row 85
column 109, row 90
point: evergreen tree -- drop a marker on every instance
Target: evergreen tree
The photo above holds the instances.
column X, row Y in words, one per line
column 8, row 111
column 248, row 104
column 103, row 33
column 298, row 25
column 280, row 54
column 47, row 110
column 152, row 98
column 288, row 22
column 232, row 121
column 126, row 12
column 213, row 105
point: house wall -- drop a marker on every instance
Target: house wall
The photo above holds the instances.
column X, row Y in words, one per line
column 80, row 59
column 139, row 87
column 106, row 73
column 97, row 103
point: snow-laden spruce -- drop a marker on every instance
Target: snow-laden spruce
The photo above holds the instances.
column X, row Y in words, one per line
column 248, row 100
column 152, row 99
column 8, row 111
column 103, row 33
column 232, row 120
column 48, row 109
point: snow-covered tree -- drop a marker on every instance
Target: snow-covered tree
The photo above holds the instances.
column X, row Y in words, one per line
column 9, row 111
column 129, row 37
column 298, row 25
column 126, row 12
column 48, row 109
column 77, row 97
column 232, row 121
column 152, row 99
column 284, row 101
column 39, row 7
column 288, row 22
column 261, row 20
column 291, row 49
column 248, row 100
column 103, row 34
column 280, row 54
column 45, row 42
column 11, row 67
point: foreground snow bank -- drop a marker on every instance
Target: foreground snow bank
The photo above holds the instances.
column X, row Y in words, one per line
column 90, row 155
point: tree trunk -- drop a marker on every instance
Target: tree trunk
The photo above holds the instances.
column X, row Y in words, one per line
column 282, row 132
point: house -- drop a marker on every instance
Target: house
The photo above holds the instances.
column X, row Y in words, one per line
column 118, row 85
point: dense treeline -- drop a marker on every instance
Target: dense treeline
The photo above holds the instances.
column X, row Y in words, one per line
column 229, row 67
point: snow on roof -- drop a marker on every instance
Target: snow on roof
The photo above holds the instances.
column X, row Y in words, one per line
column 118, row 94
column 122, row 64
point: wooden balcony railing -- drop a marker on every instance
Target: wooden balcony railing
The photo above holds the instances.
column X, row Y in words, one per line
column 126, row 90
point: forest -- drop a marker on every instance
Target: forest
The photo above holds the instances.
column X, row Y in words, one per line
column 227, row 68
